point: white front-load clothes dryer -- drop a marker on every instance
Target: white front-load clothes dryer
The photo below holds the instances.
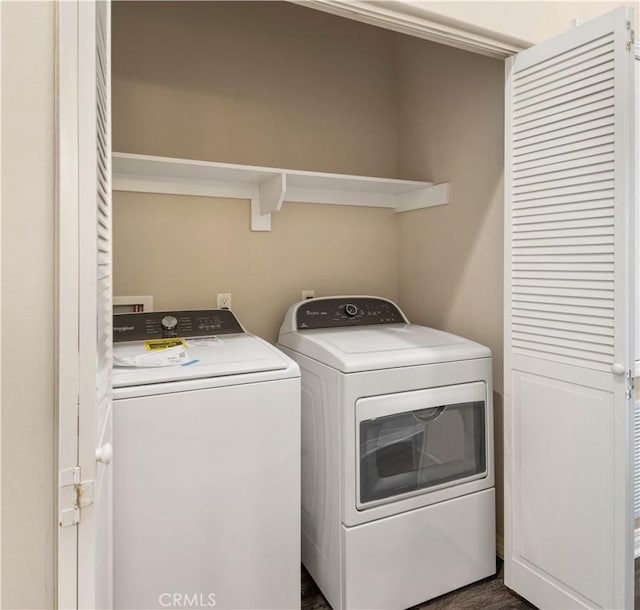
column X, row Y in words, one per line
column 206, row 465
column 398, row 500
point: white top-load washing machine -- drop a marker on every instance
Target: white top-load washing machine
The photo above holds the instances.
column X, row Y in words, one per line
column 397, row 453
column 206, row 465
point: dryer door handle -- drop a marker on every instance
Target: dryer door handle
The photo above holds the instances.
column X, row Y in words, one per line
column 430, row 414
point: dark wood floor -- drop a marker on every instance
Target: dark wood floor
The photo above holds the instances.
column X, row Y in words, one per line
column 488, row 594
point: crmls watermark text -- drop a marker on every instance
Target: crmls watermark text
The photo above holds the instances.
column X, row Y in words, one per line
column 187, row 600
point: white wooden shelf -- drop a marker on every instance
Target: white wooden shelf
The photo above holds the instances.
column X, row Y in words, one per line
column 268, row 187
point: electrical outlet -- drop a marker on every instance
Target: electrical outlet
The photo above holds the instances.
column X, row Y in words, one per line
column 308, row 294
column 224, row 300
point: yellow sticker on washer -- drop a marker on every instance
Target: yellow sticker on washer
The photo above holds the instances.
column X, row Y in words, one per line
column 157, row 344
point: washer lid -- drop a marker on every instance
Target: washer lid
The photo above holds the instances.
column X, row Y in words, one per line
column 206, row 357
column 368, row 348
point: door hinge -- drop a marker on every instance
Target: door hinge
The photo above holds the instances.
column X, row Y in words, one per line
column 75, row 494
column 629, row 374
column 631, row 37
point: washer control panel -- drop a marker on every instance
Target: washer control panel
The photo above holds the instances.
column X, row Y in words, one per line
column 347, row 311
column 167, row 324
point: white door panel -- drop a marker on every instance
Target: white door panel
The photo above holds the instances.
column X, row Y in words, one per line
column 67, row 277
column 84, row 316
column 569, row 318
column 104, row 520
column 95, row 349
column 564, row 465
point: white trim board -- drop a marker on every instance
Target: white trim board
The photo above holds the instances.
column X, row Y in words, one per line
column 269, row 187
column 67, row 314
column 1, row 140
column 415, row 21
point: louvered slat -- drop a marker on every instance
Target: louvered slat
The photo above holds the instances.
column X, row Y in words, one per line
column 542, row 222
column 529, row 287
column 550, row 187
column 561, row 62
column 562, row 329
column 601, row 163
column 559, row 99
column 598, row 236
column 576, row 135
column 103, row 216
column 597, row 97
column 563, row 216
column 600, row 108
column 583, row 64
column 554, row 127
column 580, row 202
column 599, row 278
column 601, row 351
column 569, row 152
column 577, row 321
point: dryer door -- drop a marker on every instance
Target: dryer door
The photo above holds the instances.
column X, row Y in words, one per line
column 416, row 442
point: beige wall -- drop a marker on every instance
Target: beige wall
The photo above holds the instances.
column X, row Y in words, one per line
column 265, row 83
column 262, row 83
column 528, row 22
column 427, row 111
column 27, row 274
column 450, row 127
column 184, row 250
column 441, row 118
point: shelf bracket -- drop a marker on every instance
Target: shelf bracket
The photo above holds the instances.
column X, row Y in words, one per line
column 438, row 194
column 259, row 222
column 271, row 194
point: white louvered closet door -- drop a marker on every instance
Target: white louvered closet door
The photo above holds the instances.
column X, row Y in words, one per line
column 94, row 422
column 569, row 318
column 84, row 354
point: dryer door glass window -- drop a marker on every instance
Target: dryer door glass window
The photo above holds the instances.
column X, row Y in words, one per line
column 419, row 449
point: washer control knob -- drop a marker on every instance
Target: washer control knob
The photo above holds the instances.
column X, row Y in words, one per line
column 169, row 323
column 350, row 309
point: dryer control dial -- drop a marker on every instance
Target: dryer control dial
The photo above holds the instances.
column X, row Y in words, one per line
column 169, row 323
column 350, row 309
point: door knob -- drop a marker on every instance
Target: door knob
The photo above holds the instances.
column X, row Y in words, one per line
column 104, row 454
column 617, row 369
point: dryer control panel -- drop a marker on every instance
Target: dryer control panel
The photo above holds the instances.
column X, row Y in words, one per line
column 167, row 324
column 347, row 311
